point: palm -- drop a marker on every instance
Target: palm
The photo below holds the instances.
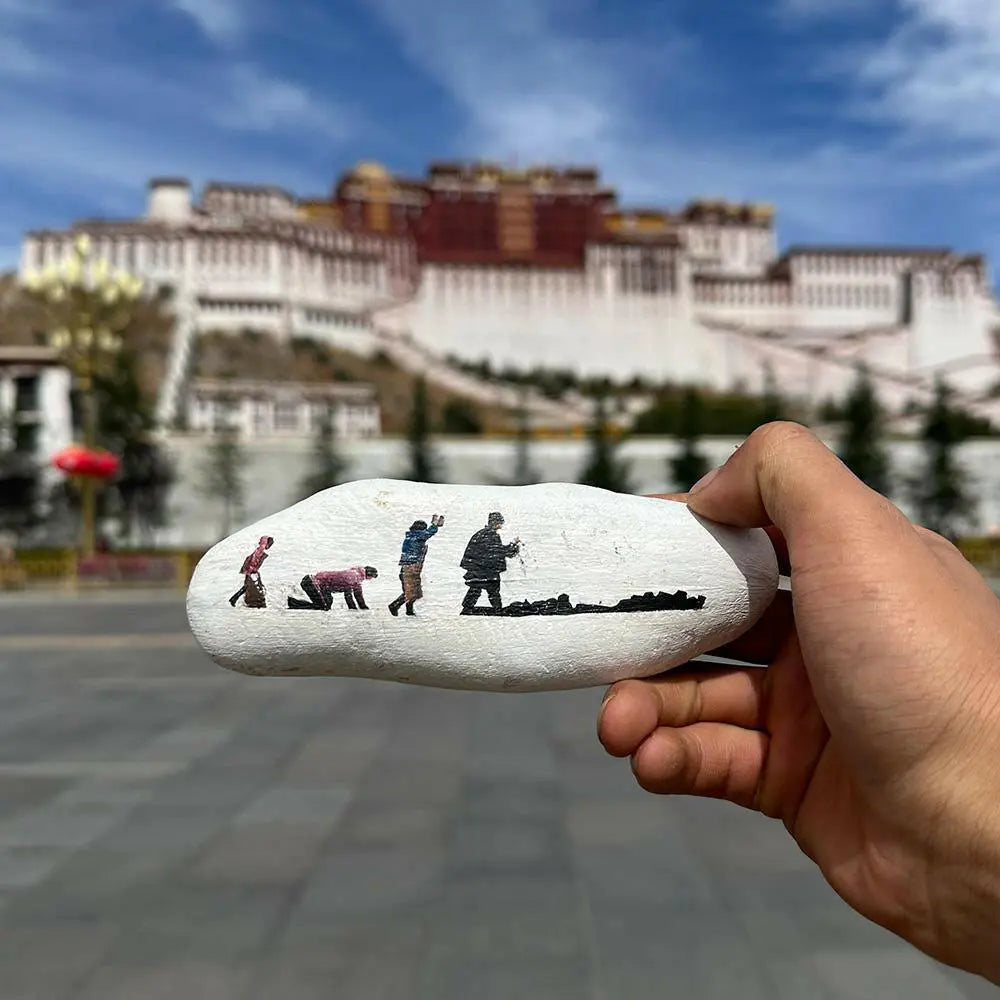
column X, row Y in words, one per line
column 806, row 782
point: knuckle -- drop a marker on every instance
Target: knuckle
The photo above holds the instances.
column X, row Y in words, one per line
column 779, row 435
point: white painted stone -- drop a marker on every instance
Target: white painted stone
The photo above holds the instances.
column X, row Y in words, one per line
column 596, row 547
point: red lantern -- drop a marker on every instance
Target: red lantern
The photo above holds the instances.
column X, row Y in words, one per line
column 93, row 462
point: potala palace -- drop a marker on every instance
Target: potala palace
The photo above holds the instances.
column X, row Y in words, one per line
column 544, row 267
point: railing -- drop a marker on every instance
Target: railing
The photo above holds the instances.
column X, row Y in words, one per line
column 66, row 570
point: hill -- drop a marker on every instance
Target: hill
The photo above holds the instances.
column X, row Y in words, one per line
column 254, row 354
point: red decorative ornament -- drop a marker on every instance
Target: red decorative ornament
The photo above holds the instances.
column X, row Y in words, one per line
column 93, row 462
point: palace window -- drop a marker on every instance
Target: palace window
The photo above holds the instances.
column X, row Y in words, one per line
column 286, row 415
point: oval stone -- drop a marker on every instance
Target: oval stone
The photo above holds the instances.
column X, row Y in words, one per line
column 528, row 588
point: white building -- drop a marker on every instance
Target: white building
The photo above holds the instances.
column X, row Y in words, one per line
column 35, row 411
column 259, row 409
column 542, row 268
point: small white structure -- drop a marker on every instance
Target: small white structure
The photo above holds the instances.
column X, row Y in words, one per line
column 35, row 411
column 259, row 409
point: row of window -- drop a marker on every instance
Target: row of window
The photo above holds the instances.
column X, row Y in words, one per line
column 853, row 264
column 753, row 293
column 284, row 416
column 333, row 317
column 242, row 308
column 472, row 279
column 260, row 203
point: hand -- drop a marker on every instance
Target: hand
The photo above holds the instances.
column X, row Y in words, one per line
column 874, row 735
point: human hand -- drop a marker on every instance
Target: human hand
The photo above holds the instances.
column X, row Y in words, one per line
column 874, row 734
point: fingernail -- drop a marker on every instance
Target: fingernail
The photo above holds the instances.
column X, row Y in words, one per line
column 704, row 481
column 608, row 698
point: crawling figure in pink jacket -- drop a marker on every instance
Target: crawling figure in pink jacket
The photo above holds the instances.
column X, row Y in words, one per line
column 320, row 588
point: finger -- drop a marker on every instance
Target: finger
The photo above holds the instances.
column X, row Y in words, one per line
column 708, row 759
column 780, row 549
column 777, row 539
column 785, row 476
column 634, row 709
column 762, row 642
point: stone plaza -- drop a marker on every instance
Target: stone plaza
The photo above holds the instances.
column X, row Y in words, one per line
column 168, row 829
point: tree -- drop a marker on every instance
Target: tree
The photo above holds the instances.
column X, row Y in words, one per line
column 423, row 460
column 328, row 466
column 772, row 405
column 126, row 427
column 222, row 474
column 940, row 492
column 690, row 465
column 19, row 482
column 524, row 473
column 460, row 417
column 861, row 445
column 604, row 469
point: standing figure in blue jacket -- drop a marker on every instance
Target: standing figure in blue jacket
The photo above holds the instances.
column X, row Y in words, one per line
column 411, row 563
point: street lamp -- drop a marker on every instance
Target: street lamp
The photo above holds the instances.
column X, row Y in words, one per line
column 88, row 307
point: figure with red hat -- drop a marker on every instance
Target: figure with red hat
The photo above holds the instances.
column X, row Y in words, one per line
column 253, row 591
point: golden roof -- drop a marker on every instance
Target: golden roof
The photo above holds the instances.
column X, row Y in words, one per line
column 369, row 170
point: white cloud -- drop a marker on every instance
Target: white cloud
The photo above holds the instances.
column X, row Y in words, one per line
column 257, row 102
column 938, row 74
column 528, row 86
column 223, row 21
column 17, row 59
column 28, row 9
column 531, row 89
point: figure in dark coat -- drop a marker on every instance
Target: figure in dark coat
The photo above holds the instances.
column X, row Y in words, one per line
column 484, row 560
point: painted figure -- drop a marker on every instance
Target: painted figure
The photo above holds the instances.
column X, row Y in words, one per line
column 411, row 563
column 484, row 560
column 320, row 588
column 253, row 591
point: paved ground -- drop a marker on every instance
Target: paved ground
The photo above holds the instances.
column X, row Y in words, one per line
column 168, row 829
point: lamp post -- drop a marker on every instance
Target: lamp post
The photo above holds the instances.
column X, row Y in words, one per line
column 88, row 306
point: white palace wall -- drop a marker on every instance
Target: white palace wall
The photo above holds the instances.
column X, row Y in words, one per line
column 714, row 306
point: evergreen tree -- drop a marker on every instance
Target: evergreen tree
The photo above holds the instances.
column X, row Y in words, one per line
column 524, row 473
column 941, row 492
column 19, row 482
column 126, row 427
column 690, row 464
column 772, row 405
column 604, row 469
column 327, row 466
column 861, row 445
column 222, row 475
column 423, row 460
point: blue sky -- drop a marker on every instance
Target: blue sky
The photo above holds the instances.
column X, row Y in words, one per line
column 862, row 120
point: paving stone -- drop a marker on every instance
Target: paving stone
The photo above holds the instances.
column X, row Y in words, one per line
column 21, row 867
column 49, row 962
column 170, row 829
column 352, row 884
column 882, row 975
column 194, row 921
column 283, row 804
column 192, row 980
column 379, row 823
column 263, row 853
column 553, row 979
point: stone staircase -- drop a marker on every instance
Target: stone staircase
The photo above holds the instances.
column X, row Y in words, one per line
column 171, row 391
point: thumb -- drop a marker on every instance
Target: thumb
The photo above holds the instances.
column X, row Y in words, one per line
column 785, row 476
